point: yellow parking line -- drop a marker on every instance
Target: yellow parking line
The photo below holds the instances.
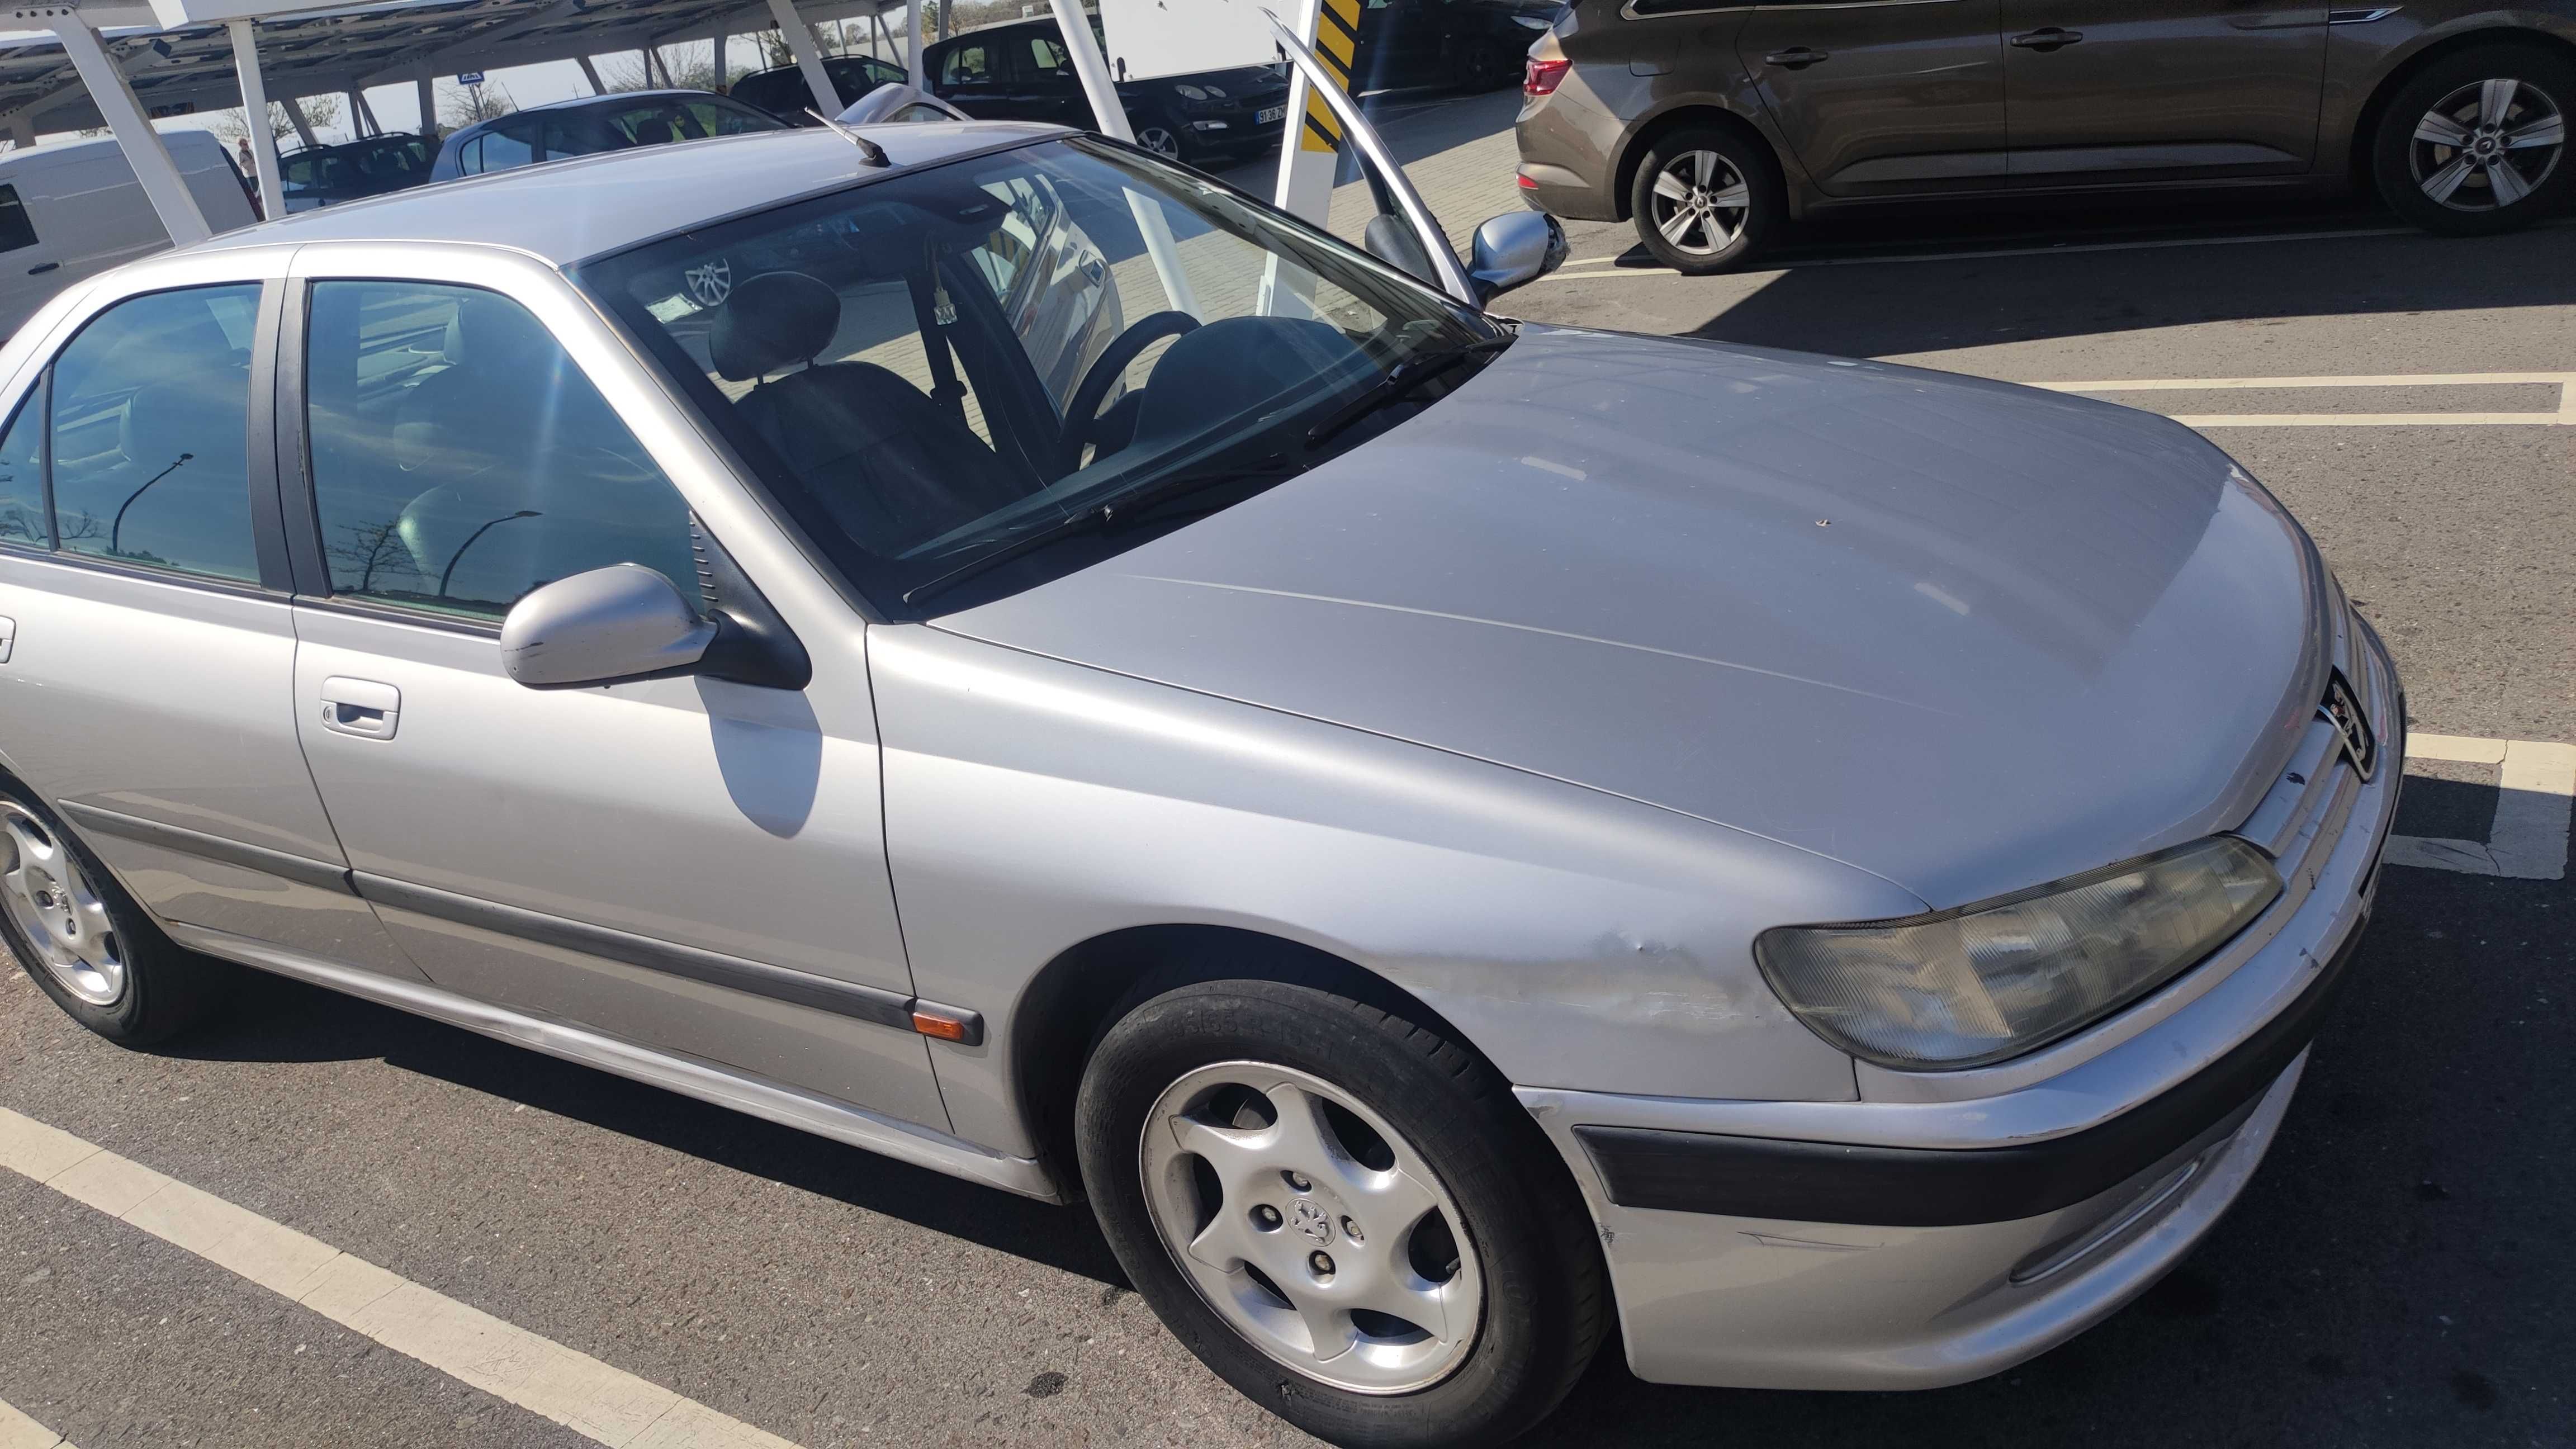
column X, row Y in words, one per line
column 581, row 1393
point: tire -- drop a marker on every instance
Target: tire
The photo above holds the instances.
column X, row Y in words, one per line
column 1167, row 139
column 2485, row 98
column 1731, row 179
column 85, row 942
column 1481, row 1233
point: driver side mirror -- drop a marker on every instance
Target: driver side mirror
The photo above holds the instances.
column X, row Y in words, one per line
column 621, row 622
column 1514, row 250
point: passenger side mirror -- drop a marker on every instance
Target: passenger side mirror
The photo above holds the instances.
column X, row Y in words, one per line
column 621, row 622
column 1513, row 250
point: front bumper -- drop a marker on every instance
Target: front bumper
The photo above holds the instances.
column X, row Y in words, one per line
column 1883, row 1244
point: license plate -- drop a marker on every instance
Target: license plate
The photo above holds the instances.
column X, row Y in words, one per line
column 1275, row 113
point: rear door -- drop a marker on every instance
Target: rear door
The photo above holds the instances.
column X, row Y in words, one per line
column 150, row 648
column 2134, row 88
column 693, row 864
column 1886, row 98
column 970, row 76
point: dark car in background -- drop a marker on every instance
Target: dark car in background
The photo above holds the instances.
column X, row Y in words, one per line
column 1712, row 124
column 594, row 124
column 368, row 166
column 1475, row 45
column 1021, row 72
column 781, row 90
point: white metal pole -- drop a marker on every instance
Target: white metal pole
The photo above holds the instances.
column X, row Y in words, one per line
column 716, row 46
column 144, row 149
column 809, row 56
column 425, row 96
column 1110, row 117
column 263, row 140
column 1310, row 154
column 912, row 44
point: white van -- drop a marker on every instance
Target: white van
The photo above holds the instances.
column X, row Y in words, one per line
column 70, row 209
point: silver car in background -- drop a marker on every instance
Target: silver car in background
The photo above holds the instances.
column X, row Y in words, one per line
column 1439, row 829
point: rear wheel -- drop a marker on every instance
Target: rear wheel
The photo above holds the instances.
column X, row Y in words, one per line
column 2478, row 141
column 84, row 940
column 1344, row 1215
column 1706, row 199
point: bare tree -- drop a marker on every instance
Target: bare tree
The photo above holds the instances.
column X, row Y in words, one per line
column 319, row 111
column 472, row 105
column 370, row 547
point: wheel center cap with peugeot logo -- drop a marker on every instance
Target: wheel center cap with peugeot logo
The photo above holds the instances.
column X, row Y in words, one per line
column 1313, row 1221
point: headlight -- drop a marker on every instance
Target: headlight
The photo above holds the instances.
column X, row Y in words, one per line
column 1963, row 987
column 1191, row 92
column 1531, row 21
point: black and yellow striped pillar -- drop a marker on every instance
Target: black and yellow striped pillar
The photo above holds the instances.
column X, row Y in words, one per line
column 1337, row 39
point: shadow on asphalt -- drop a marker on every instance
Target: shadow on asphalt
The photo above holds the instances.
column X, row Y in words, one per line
column 278, row 1020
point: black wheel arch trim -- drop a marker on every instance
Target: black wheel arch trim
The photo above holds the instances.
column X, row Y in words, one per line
column 1912, row 1187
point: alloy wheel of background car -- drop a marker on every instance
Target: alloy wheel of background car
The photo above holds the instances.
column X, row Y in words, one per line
column 2478, row 142
column 1704, row 199
column 57, row 911
column 1160, row 139
column 1344, row 1213
column 2488, row 145
column 85, row 942
column 1311, row 1226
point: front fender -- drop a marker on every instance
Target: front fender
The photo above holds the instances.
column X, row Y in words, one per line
column 1577, row 939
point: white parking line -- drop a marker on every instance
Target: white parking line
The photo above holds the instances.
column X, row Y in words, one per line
column 17, row 1431
column 2538, row 796
column 2564, row 415
column 581, row 1393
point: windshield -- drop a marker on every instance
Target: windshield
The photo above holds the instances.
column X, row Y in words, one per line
column 938, row 366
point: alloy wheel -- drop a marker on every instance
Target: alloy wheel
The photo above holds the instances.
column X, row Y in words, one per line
column 57, row 910
column 1311, row 1227
column 1700, row 203
column 1160, row 140
column 2488, row 144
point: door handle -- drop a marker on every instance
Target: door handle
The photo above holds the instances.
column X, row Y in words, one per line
column 2047, row 38
column 38, row 271
column 360, row 707
column 1796, row 57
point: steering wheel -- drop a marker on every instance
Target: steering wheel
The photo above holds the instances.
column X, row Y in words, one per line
column 1125, row 348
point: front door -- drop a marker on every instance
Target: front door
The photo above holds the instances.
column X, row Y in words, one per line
column 690, row 864
column 1882, row 99
column 973, row 77
column 148, row 648
column 2135, row 88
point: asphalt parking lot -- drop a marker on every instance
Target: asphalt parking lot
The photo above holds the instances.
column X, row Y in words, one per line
column 2395, row 1275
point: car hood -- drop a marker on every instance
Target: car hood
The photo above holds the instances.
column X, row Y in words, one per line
column 1967, row 636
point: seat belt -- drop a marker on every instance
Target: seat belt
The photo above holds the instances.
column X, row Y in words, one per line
column 945, row 390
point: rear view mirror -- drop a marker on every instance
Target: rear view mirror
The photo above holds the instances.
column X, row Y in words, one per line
column 1513, row 250
column 621, row 622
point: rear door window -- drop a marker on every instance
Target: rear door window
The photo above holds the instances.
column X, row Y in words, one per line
column 967, row 65
column 503, row 149
column 149, row 414
column 15, row 229
column 22, row 474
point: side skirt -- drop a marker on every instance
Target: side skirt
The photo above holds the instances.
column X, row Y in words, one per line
column 689, row 1076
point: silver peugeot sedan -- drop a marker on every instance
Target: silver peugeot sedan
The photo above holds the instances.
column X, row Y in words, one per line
column 1440, row 830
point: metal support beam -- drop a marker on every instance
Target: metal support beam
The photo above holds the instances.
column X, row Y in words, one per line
column 912, row 45
column 144, row 149
column 425, row 96
column 590, row 73
column 263, row 140
column 1109, row 117
column 809, row 56
column 295, row 118
column 22, row 130
column 716, row 48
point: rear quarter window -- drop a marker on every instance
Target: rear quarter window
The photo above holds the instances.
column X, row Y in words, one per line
column 16, row 229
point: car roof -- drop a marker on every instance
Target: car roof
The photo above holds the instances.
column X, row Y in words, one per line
column 567, row 211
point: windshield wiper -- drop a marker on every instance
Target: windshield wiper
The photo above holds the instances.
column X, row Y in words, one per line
column 1118, row 512
column 1400, row 379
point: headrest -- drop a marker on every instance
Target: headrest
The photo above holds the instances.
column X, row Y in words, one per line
column 772, row 321
column 201, row 413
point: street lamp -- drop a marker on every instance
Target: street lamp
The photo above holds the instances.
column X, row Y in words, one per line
column 449, row 572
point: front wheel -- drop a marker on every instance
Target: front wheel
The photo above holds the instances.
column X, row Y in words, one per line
column 1344, row 1215
column 2478, row 142
column 1706, row 199
column 1160, row 137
